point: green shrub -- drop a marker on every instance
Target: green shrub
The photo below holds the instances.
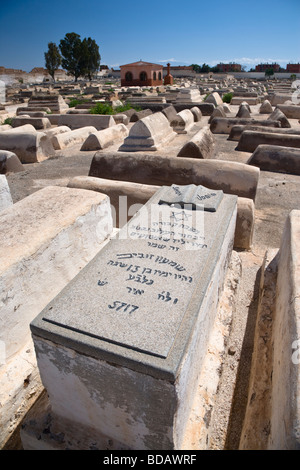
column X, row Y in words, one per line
column 102, row 108
column 126, row 107
column 227, row 97
column 75, row 101
column 7, row 121
column 105, row 108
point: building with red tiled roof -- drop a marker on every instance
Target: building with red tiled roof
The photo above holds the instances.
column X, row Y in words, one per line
column 141, row 74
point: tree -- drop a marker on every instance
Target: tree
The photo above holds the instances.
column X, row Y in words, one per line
column 205, row 68
column 201, row 69
column 195, row 68
column 52, row 59
column 71, row 51
column 269, row 72
column 80, row 58
column 90, row 57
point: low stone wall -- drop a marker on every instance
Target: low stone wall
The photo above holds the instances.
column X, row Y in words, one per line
column 276, row 158
column 29, row 146
column 45, row 221
column 285, row 414
column 76, row 121
column 220, row 125
column 231, row 177
column 250, row 140
column 47, row 238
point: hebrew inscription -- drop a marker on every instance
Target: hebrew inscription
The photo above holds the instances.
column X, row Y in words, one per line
column 135, row 293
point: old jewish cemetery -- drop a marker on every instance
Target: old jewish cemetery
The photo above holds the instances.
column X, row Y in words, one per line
column 150, row 265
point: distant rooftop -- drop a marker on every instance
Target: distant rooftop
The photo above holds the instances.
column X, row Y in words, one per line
column 141, row 63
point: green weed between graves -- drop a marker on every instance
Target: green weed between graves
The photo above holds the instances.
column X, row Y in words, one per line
column 75, row 101
column 104, row 108
column 7, row 121
column 227, row 97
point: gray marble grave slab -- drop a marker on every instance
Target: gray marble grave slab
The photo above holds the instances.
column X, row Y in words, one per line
column 198, row 196
column 137, row 300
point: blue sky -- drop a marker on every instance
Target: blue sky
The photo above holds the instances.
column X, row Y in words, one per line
column 176, row 31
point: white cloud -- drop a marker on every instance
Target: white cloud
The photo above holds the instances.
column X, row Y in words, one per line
column 172, row 60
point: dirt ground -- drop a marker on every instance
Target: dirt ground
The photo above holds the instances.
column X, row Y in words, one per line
column 277, row 195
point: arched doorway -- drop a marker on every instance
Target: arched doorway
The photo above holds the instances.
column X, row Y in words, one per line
column 128, row 77
column 143, row 77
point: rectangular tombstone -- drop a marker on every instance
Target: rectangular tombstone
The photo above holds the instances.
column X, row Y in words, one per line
column 76, row 121
column 56, row 103
column 37, row 122
column 38, row 114
column 221, row 125
column 236, row 131
column 138, row 318
column 27, row 109
column 276, row 158
column 190, row 95
column 232, row 177
column 45, row 240
column 291, row 111
column 250, row 140
column 29, row 146
column 54, row 118
column 205, row 108
column 280, row 98
column 247, row 94
column 286, row 333
column 237, row 100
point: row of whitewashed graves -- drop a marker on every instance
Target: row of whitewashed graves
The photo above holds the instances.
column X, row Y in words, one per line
column 146, row 339
column 62, row 130
column 111, row 91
